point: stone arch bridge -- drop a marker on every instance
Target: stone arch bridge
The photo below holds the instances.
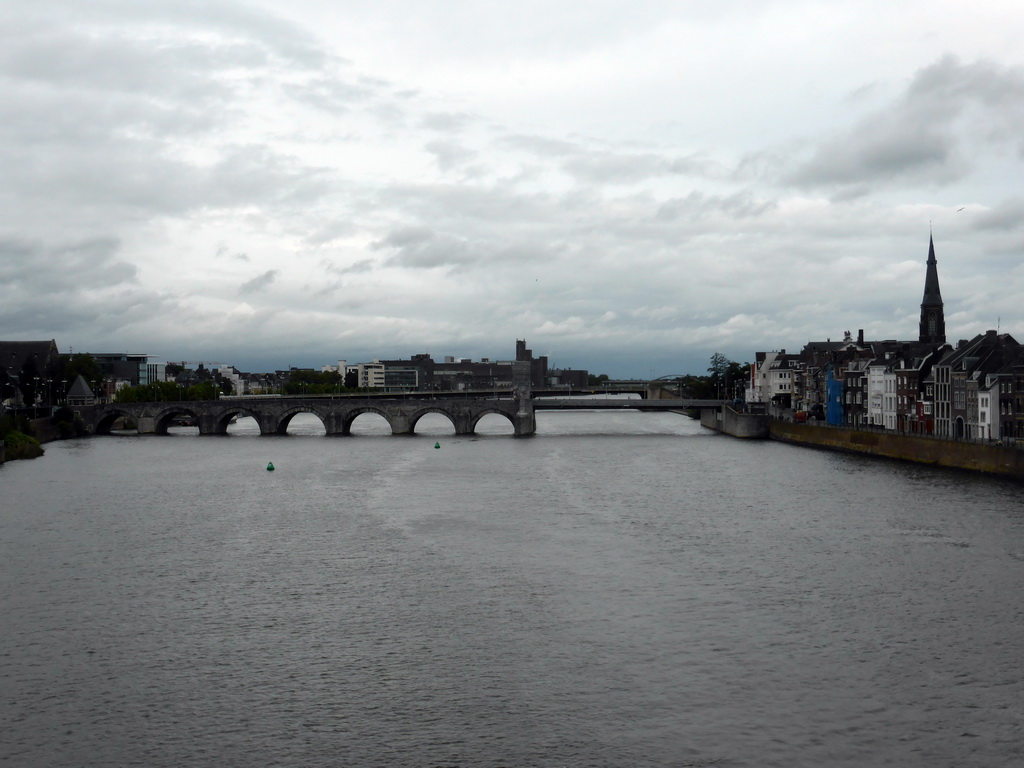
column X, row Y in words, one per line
column 273, row 414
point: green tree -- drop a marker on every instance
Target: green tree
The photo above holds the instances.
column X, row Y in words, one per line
column 736, row 378
column 727, row 377
column 157, row 391
column 697, row 387
column 205, row 390
column 313, row 382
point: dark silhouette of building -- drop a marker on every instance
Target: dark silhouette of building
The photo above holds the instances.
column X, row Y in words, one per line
column 933, row 321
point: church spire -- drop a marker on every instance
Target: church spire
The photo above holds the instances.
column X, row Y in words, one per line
column 933, row 321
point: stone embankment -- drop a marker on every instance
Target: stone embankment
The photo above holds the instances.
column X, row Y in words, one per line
column 736, row 423
column 976, row 457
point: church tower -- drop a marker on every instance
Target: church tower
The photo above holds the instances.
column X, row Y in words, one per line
column 933, row 321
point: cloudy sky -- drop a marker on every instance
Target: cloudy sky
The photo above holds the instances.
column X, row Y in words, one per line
column 629, row 186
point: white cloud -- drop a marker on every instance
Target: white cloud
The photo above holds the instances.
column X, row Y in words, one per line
column 631, row 191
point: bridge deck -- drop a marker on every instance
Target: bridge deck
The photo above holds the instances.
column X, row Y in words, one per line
column 273, row 414
column 620, row 403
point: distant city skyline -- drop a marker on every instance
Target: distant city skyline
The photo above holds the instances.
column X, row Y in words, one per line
column 631, row 188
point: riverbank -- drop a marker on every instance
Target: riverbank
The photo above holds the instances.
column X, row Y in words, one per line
column 16, row 445
column 28, row 445
column 975, row 457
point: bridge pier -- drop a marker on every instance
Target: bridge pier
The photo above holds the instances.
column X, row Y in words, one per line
column 524, row 423
column 334, row 424
column 400, row 422
column 207, row 424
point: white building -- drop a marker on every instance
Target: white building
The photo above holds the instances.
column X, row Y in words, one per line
column 987, row 394
column 876, row 392
column 772, row 378
column 368, row 374
column 890, row 401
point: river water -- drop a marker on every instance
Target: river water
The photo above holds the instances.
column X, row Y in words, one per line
column 622, row 589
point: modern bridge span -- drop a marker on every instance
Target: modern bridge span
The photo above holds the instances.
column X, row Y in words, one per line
column 273, row 413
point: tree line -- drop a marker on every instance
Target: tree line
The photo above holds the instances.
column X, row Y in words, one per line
column 726, row 380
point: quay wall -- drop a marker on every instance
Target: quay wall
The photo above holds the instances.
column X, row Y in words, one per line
column 746, row 425
column 975, row 457
column 44, row 430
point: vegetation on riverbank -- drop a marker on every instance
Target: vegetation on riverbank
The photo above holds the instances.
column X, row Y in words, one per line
column 18, row 444
column 725, row 380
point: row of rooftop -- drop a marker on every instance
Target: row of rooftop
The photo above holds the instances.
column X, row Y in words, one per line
column 973, row 390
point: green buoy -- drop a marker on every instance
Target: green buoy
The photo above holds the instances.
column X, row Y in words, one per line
column 437, row 445
column 270, row 466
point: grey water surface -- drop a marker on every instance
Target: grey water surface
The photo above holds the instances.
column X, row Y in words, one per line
column 622, row 589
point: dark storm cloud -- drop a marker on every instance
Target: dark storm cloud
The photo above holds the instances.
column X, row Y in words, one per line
column 423, row 248
column 134, row 176
column 260, row 282
column 74, row 267
column 96, row 118
column 63, row 288
column 924, row 136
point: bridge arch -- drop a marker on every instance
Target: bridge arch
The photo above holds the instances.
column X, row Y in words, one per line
column 223, row 418
column 346, row 419
column 418, row 414
column 474, row 421
column 286, row 417
column 109, row 417
column 163, row 418
column 370, row 422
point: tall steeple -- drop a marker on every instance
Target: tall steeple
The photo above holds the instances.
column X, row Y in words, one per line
column 933, row 321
